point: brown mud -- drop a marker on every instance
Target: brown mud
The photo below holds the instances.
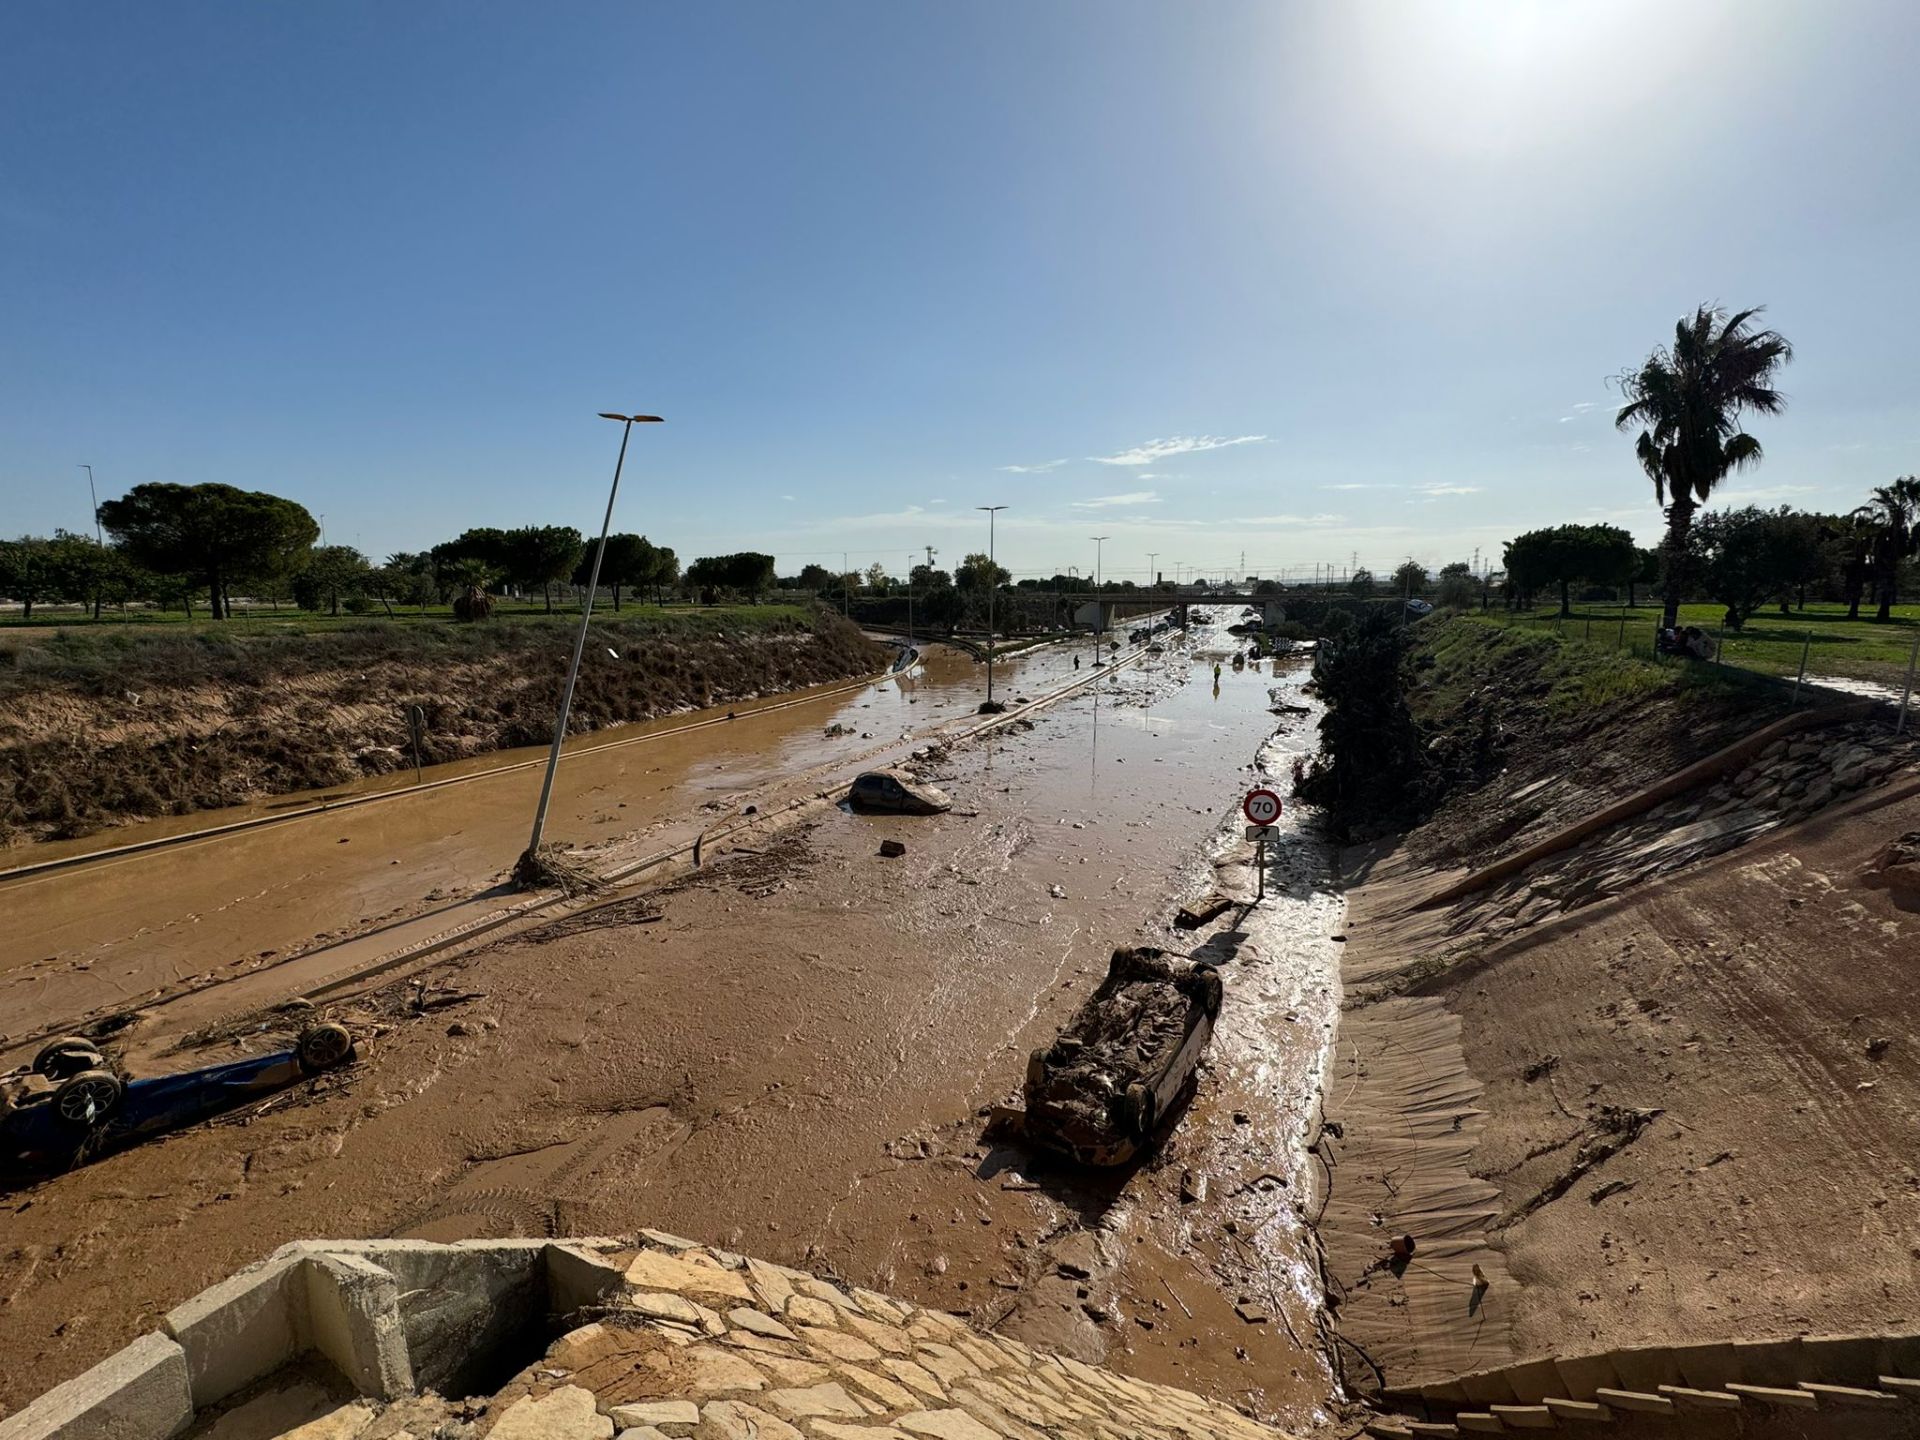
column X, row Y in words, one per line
column 1657, row 1087
column 170, row 724
column 792, row 1052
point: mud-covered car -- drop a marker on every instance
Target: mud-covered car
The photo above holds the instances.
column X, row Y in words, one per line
column 897, row 790
column 71, row 1104
column 1099, row 1092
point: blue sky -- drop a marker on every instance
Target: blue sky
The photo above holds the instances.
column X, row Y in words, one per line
column 1299, row 282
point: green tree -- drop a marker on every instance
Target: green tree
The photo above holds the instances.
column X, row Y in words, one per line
column 1848, row 541
column 472, row 559
column 1748, row 556
column 925, row 577
column 543, row 556
column 1373, row 771
column 28, row 571
column 628, row 562
column 1457, row 586
column 1564, row 554
column 747, row 573
column 1409, row 579
column 85, row 570
column 1644, row 571
column 216, row 533
column 1894, row 514
column 407, row 576
column 1688, row 399
column 1360, row 583
column 977, row 572
column 816, row 578
column 332, row 573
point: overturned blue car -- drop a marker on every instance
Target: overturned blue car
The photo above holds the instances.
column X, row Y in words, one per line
column 71, row 1105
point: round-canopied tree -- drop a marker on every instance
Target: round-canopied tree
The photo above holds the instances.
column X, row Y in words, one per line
column 214, row 533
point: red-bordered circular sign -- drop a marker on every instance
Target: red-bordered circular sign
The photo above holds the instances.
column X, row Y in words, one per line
column 1262, row 807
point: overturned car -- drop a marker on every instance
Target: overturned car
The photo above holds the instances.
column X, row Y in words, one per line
column 1125, row 1060
column 72, row 1104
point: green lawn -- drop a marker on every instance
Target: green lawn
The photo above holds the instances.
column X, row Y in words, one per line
column 1770, row 642
column 263, row 620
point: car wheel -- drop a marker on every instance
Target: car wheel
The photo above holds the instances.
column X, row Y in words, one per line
column 1144, row 1107
column 87, row 1099
column 1212, row 991
column 66, row 1057
column 322, row 1047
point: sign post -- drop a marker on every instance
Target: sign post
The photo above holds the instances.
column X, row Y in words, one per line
column 1262, row 808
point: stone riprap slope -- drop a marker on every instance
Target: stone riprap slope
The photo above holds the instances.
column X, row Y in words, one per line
column 658, row 1338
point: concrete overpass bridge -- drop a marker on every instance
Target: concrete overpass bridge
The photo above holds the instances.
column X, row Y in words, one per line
column 1110, row 609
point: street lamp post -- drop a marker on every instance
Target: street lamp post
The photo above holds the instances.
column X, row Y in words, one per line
column 92, row 495
column 909, row 600
column 1153, row 576
column 580, row 640
column 992, row 510
column 1100, row 609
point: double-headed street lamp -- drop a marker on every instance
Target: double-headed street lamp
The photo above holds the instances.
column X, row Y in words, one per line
column 530, row 859
column 991, row 510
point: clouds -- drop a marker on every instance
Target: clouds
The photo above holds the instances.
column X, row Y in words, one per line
column 1436, row 491
column 1580, row 409
column 1156, row 450
column 1108, row 502
column 1042, row 468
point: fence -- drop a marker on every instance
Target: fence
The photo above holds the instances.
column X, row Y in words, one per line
column 1812, row 650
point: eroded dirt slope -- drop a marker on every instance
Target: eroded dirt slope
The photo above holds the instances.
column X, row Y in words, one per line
column 173, row 723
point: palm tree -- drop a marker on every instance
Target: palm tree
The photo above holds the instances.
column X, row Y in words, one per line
column 1689, row 398
column 1894, row 515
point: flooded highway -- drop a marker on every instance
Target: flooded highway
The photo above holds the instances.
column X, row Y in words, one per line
column 790, row 1052
column 124, row 930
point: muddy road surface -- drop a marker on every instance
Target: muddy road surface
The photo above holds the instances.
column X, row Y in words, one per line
column 127, row 930
column 790, row 1054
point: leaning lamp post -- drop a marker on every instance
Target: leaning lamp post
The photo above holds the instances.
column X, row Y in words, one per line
column 530, row 865
column 992, row 585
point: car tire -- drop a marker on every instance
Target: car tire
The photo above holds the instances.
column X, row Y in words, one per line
column 321, row 1047
column 66, row 1057
column 85, row 1100
column 1143, row 1109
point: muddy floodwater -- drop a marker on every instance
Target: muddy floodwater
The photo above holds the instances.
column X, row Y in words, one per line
column 789, row 1052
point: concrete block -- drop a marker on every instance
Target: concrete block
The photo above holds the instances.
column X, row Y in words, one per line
column 1851, row 1395
column 1591, row 1411
column 1844, row 1359
column 1581, row 1375
column 1651, row 1404
column 247, row 1326
column 139, row 1393
column 1898, row 1385
column 1488, row 1387
column 577, row 1276
column 1647, row 1368
column 1903, row 1355
column 1771, row 1362
column 466, row 1304
column 1481, row 1422
column 353, row 1307
column 1437, row 1428
column 1707, row 1367
column 1774, row 1395
column 1523, row 1417
column 1534, row 1380
column 1686, row 1398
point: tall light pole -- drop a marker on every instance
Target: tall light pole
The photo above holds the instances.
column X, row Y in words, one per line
column 1153, row 576
column 1100, row 609
column 991, row 510
column 909, row 600
column 98, row 538
column 530, row 859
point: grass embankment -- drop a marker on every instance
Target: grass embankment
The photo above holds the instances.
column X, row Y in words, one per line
column 1769, row 642
column 108, row 724
column 1500, row 709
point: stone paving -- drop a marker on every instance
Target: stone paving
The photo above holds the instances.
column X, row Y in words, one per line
column 701, row 1343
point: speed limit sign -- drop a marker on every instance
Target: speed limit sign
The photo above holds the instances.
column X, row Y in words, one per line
column 1262, row 807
